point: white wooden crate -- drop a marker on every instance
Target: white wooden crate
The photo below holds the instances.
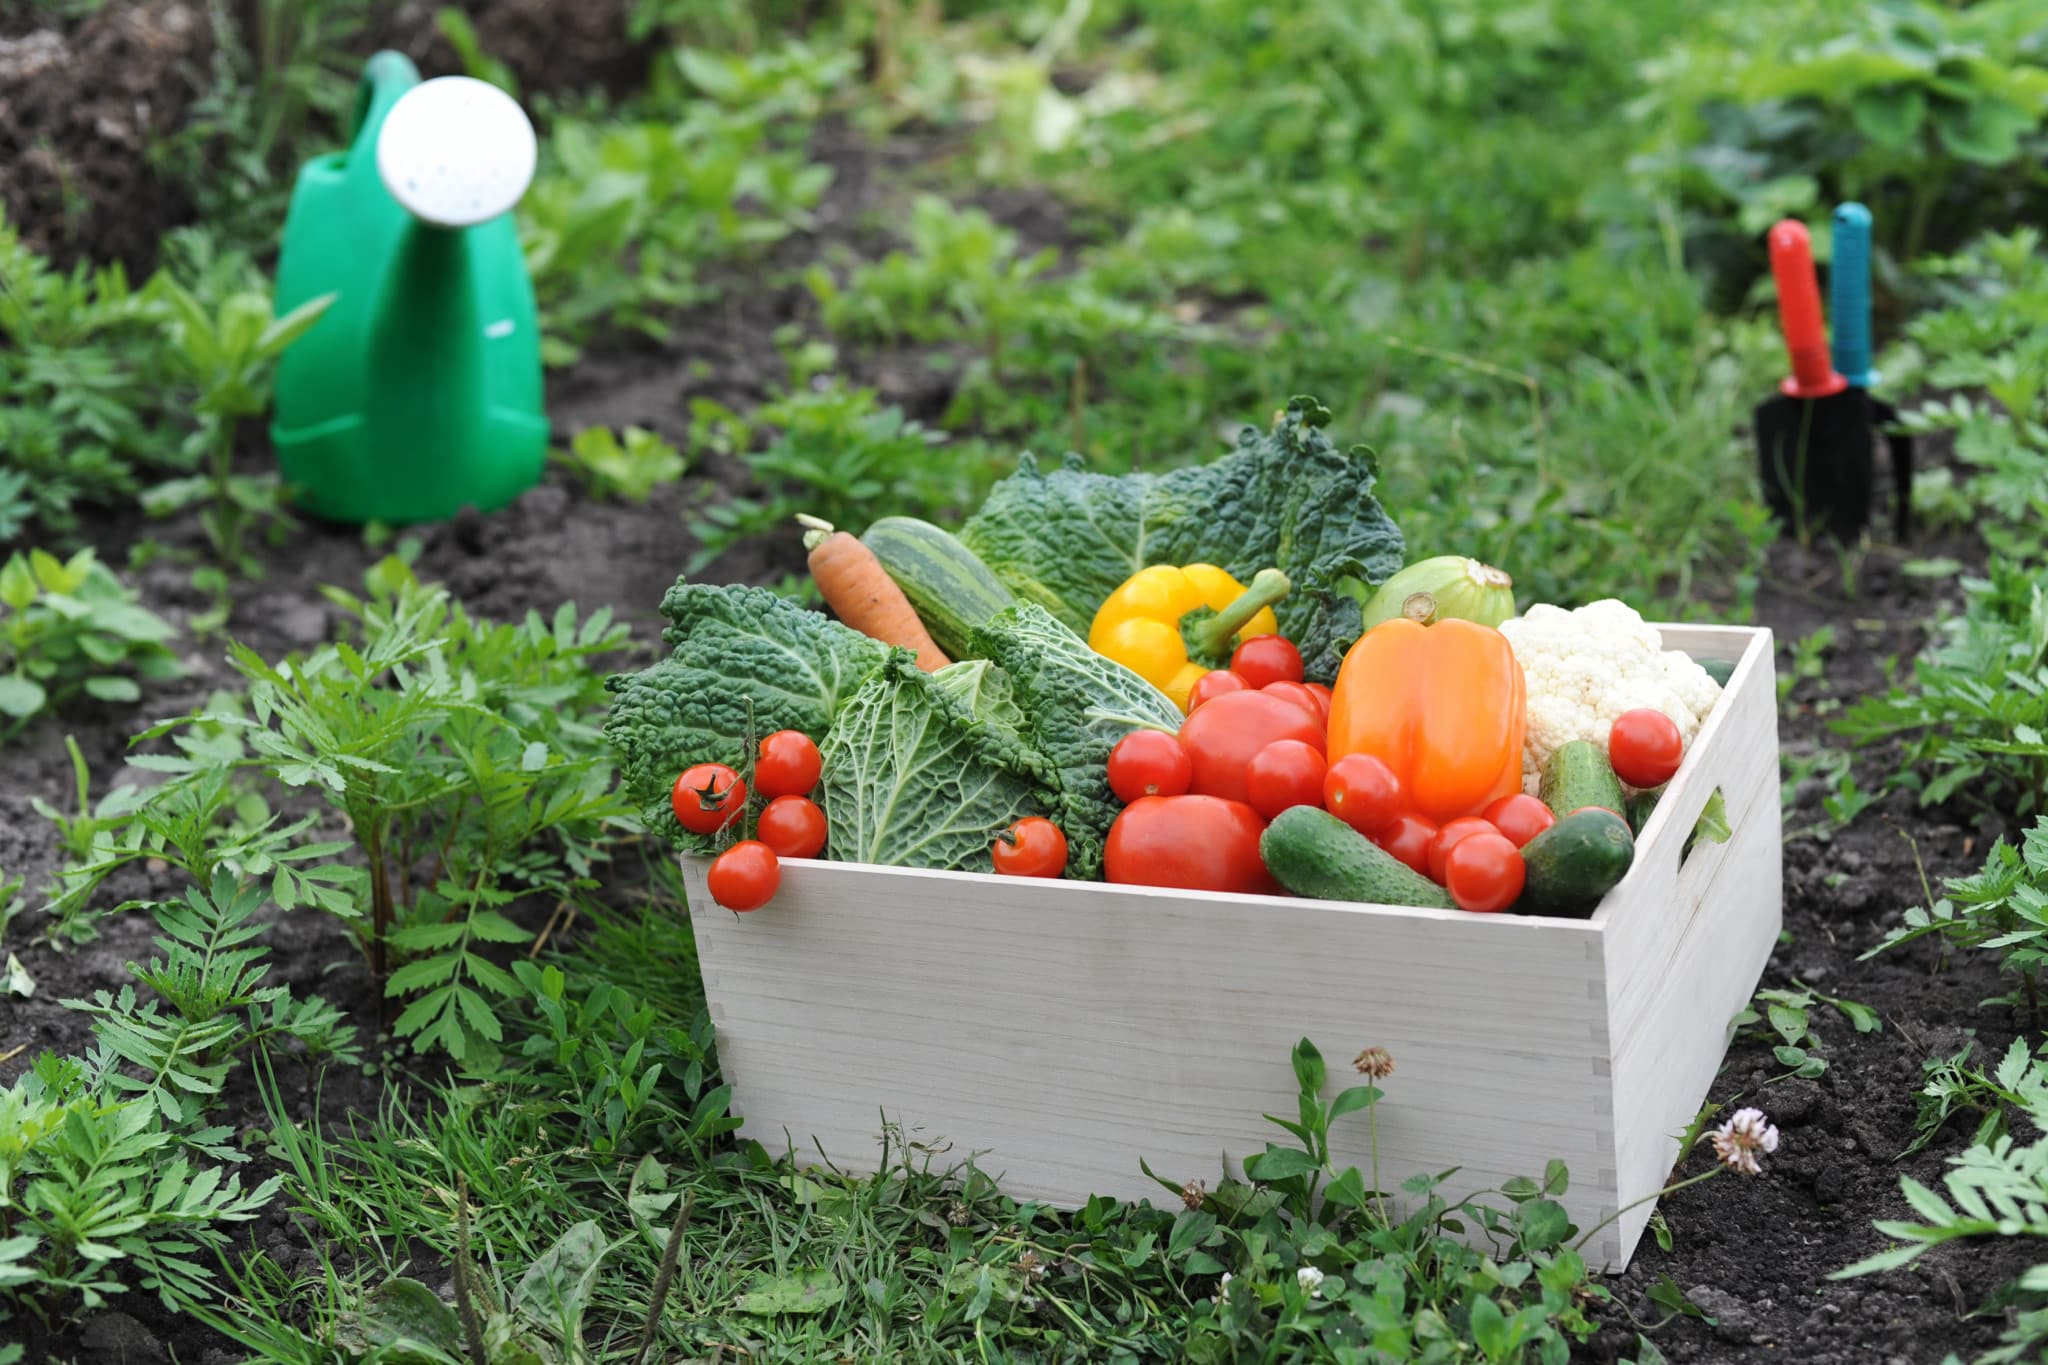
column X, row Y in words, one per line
column 1059, row 1031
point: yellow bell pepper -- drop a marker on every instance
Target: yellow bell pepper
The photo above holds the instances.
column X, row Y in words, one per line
column 1156, row 624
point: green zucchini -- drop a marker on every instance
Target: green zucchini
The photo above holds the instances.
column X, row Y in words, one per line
column 953, row 592
column 1577, row 775
column 1313, row 853
column 1641, row 805
column 1720, row 670
column 1575, row 862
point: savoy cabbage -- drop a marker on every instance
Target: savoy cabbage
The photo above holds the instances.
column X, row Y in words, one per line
column 1077, row 705
column 915, row 778
column 1286, row 497
column 745, row 661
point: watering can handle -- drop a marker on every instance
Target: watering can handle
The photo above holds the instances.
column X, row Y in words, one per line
column 386, row 76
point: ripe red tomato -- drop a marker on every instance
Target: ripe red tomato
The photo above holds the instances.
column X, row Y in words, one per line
column 1484, row 872
column 1033, row 847
column 1284, row 773
column 1222, row 735
column 1149, row 763
column 1364, row 793
column 1408, row 839
column 787, row 765
column 745, row 876
column 1217, row 682
column 1301, row 696
column 1644, row 747
column 708, row 797
column 1448, row 837
column 1203, row 843
column 1521, row 817
column 793, row 826
column 1267, row 659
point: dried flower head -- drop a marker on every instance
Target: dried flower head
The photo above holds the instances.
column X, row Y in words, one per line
column 1029, row 1266
column 1375, row 1062
column 957, row 1214
column 1193, row 1193
column 1311, row 1279
column 1738, row 1141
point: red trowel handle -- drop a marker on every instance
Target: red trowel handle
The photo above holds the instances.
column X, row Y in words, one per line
column 1806, row 336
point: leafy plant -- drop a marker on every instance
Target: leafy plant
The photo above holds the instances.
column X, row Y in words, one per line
column 631, row 468
column 70, row 628
column 84, row 406
column 465, row 757
column 1789, row 1013
column 839, row 455
column 1953, row 1087
column 109, row 1161
column 1997, row 1187
column 227, row 356
column 2003, row 908
column 1973, row 719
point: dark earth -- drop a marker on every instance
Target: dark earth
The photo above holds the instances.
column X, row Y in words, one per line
column 1752, row 1254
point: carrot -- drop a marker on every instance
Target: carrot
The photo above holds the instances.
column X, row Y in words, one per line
column 861, row 593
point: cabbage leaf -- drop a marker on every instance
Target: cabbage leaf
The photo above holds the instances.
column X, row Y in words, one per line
column 745, row 661
column 914, row 778
column 1285, row 497
column 1077, row 705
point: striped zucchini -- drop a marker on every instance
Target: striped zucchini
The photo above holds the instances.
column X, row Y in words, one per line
column 953, row 591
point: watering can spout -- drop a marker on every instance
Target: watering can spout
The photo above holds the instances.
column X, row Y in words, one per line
column 420, row 392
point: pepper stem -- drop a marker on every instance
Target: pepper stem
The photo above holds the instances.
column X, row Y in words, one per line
column 1213, row 635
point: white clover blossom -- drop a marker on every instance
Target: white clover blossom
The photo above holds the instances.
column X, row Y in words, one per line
column 1310, row 1279
column 1223, row 1286
column 1738, row 1141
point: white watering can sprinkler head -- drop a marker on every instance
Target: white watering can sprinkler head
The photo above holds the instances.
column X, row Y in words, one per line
column 455, row 151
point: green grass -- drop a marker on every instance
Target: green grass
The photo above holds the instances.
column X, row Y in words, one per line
column 1509, row 242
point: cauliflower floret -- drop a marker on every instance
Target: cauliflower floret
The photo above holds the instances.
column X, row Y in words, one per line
column 1586, row 667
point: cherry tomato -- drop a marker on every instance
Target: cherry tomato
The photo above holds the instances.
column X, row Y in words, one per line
column 1301, row 696
column 1448, row 837
column 787, row 765
column 745, row 876
column 793, row 826
column 1644, row 747
column 1149, row 763
column 1408, row 839
column 1521, row 817
column 1267, row 659
column 1217, row 682
column 1222, row 735
column 1484, row 872
column 708, row 797
column 1284, row 773
column 1033, row 847
column 1202, row 843
column 1364, row 793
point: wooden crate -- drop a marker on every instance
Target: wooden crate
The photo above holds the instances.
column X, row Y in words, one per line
column 1059, row 1031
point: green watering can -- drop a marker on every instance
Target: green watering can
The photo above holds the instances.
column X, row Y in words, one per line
column 418, row 392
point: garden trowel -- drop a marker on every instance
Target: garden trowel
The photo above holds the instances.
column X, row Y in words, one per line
column 1814, row 438
column 1849, row 295
column 418, row 393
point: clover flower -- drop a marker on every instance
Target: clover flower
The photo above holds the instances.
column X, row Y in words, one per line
column 1375, row 1062
column 1738, row 1141
column 1310, row 1279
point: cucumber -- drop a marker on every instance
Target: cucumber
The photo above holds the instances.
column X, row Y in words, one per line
column 953, row 592
column 1574, row 863
column 1640, row 807
column 1579, row 774
column 1720, row 670
column 1313, row 853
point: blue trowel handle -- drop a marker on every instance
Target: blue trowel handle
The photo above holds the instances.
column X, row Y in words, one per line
column 1849, row 295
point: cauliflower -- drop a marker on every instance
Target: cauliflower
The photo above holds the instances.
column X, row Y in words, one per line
column 1586, row 667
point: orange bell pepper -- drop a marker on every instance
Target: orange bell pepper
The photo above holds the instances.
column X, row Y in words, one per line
column 1443, row 705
